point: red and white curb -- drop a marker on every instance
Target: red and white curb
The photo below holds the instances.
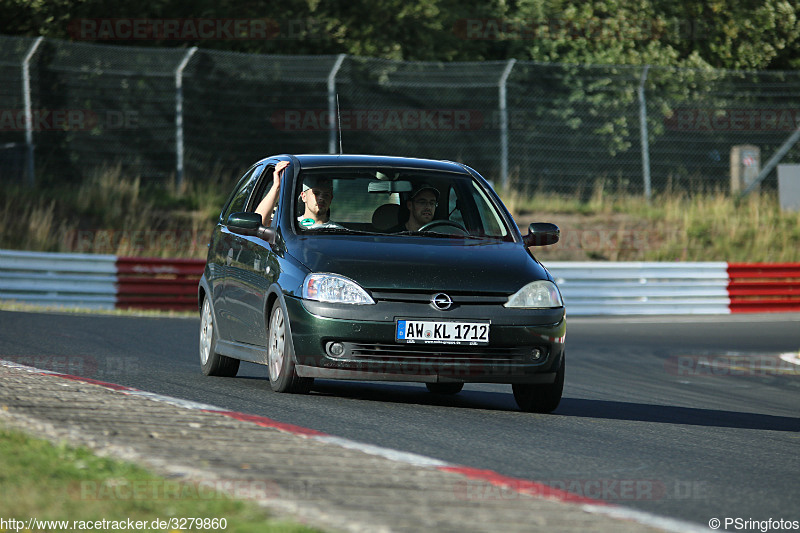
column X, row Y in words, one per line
column 506, row 483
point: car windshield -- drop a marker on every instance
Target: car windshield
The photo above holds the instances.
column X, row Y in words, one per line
column 397, row 201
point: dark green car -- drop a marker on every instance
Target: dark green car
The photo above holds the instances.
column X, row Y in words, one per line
column 380, row 268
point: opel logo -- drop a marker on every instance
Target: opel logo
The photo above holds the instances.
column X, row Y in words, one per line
column 441, row 301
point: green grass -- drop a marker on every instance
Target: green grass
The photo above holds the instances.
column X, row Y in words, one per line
column 114, row 214
column 47, row 482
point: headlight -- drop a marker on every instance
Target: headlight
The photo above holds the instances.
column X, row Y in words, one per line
column 335, row 289
column 536, row 295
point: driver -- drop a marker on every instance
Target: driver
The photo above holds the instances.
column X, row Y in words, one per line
column 421, row 207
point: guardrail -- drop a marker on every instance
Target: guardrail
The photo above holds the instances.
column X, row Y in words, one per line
column 94, row 281
column 63, row 280
column 636, row 288
column 589, row 288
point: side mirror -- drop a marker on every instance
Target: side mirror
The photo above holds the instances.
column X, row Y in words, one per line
column 541, row 234
column 250, row 224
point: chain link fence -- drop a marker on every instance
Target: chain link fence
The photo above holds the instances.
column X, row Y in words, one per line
column 163, row 114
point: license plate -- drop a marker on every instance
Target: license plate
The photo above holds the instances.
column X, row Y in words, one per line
column 442, row 332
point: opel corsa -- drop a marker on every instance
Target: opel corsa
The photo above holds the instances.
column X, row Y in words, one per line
column 372, row 295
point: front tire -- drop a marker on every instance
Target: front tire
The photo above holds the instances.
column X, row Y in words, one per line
column 280, row 356
column 212, row 363
column 533, row 398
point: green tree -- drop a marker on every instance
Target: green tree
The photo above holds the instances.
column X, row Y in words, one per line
column 718, row 33
column 733, row 34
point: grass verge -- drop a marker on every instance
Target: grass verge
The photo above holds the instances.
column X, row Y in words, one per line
column 671, row 227
column 61, row 483
column 109, row 213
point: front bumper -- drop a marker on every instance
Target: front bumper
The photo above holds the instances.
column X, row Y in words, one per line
column 526, row 346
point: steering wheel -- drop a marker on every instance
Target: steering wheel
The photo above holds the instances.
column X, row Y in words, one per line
column 436, row 223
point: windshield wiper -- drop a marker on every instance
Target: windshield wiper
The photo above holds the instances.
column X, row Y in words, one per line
column 432, row 233
column 342, row 230
column 438, row 234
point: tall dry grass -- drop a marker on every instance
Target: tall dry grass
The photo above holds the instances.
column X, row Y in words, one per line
column 111, row 213
column 117, row 214
column 673, row 226
column 715, row 227
column 32, row 224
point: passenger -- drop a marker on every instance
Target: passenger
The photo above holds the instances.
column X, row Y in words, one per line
column 316, row 196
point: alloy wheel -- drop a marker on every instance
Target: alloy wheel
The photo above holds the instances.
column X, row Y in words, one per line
column 206, row 332
column 277, row 343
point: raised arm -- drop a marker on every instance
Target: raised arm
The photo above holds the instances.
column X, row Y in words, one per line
column 267, row 204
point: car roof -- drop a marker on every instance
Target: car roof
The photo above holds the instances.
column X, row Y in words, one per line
column 353, row 160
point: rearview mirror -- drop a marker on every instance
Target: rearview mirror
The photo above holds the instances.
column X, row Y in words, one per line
column 250, row 224
column 541, row 234
column 389, row 186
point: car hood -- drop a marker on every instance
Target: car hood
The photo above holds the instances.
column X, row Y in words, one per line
column 421, row 263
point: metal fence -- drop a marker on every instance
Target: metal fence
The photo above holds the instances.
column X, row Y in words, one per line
column 67, row 109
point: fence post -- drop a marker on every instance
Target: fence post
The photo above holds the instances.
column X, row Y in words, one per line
column 26, row 96
column 643, row 133
column 773, row 161
column 333, row 105
column 179, row 115
column 504, row 123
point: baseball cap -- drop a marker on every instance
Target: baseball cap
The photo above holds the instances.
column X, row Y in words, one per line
column 423, row 186
column 319, row 182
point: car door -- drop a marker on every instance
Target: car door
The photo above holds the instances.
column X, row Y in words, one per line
column 251, row 270
column 223, row 251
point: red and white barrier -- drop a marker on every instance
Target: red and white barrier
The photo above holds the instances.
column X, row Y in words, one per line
column 92, row 281
column 589, row 288
column 634, row 288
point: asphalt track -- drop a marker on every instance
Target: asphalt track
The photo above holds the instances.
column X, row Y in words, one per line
column 687, row 417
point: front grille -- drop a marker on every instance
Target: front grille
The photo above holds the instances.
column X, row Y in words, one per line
column 459, row 298
column 438, row 353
